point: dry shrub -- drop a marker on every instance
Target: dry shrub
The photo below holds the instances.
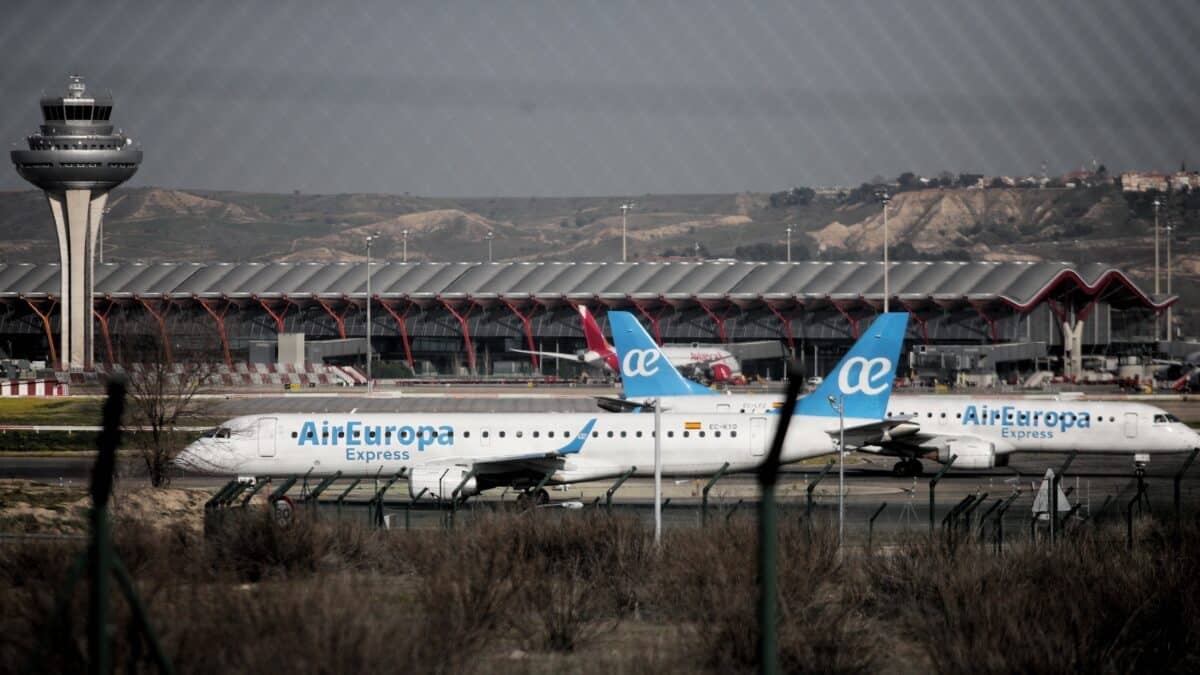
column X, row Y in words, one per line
column 1085, row 605
column 709, row 578
column 250, row 545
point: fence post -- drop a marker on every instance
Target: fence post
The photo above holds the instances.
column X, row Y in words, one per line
column 1187, row 463
column 456, row 492
column 408, row 509
column 933, row 486
column 871, row 526
column 704, row 494
column 813, row 486
column 1054, row 482
column 616, row 486
column 984, row 516
column 342, row 497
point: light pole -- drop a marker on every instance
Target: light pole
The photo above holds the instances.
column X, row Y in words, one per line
column 886, row 199
column 789, row 241
column 657, row 472
column 1169, row 307
column 1157, row 290
column 490, row 237
column 370, row 380
column 404, row 233
column 624, row 214
column 839, row 404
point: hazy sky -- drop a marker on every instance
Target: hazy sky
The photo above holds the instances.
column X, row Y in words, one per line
column 610, row 97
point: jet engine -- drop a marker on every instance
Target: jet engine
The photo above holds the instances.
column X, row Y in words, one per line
column 440, row 482
column 972, row 454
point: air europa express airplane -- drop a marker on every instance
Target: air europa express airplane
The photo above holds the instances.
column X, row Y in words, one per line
column 980, row 431
column 485, row 450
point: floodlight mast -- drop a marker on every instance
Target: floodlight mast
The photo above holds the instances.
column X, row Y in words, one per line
column 624, row 215
column 370, row 380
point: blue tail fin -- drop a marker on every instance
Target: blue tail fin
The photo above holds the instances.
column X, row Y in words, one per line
column 864, row 376
column 645, row 370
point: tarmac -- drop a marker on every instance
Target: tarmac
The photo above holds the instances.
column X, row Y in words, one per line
column 1091, row 481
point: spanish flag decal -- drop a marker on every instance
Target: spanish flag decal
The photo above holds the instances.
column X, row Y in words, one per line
column 691, row 425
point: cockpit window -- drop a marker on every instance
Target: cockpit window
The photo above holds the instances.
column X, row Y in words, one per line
column 1165, row 418
column 219, row 432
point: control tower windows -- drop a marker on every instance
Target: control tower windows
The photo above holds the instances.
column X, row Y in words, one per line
column 52, row 113
column 79, row 112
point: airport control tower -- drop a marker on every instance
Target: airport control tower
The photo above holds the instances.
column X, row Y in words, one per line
column 77, row 158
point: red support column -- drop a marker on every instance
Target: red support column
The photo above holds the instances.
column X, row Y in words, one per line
column 339, row 319
column 278, row 317
column 400, row 321
column 161, row 318
column 988, row 320
column 528, row 327
column 719, row 320
column 46, row 326
column 220, row 321
column 846, row 315
column 652, row 319
column 787, row 327
column 920, row 320
column 462, row 321
column 103, row 318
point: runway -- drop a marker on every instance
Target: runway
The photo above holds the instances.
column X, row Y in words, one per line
column 869, row 481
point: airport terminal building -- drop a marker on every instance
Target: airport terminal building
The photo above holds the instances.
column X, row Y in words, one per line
column 464, row 318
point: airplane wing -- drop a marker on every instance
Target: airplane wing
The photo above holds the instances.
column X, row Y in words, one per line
column 879, row 433
column 554, row 355
column 614, row 404
column 538, row 462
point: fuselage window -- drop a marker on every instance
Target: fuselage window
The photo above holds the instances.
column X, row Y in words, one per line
column 639, row 434
column 701, row 434
column 733, row 434
column 324, row 434
column 342, row 434
column 535, row 434
column 549, row 434
column 357, row 433
column 520, row 434
column 595, row 434
column 404, row 434
column 501, row 434
column 610, row 434
column 670, row 434
column 686, row 434
column 295, row 434
column 622, row 434
column 716, row 434
column 943, row 415
column 485, row 434
column 466, row 434
column 387, row 434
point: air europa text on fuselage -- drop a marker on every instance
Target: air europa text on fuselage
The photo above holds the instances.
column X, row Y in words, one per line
column 355, row 433
column 1026, row 422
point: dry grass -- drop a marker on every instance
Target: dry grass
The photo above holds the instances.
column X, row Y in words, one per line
column 526, row 593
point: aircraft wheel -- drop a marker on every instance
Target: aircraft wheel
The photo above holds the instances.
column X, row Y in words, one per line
column 915, row 468
column 900, row 469
column 541, row 497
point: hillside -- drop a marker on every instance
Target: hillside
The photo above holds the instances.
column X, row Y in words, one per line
column 947, row 223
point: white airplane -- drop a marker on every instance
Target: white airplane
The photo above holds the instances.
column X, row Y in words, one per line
column 455, row 455
column 980, row 431
column 707, row 362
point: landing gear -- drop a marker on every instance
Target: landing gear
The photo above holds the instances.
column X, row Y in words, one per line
column 533, row 498
column 909, row 466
